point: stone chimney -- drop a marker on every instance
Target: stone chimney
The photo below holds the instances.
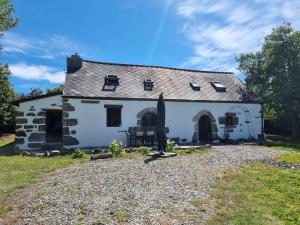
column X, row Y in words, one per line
column 74, row 63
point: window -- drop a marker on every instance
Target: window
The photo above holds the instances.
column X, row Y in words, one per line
column 218, row 86
column 113, row 115
column 195, row 86
column 110, row 83
column 229, row 121
column 148, row 84
column 112, row 80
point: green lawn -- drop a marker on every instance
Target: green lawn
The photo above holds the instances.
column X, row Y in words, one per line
column 6, row 139
column 258, row 194
column 291, row 146
column 17, row 172
column 282, row 144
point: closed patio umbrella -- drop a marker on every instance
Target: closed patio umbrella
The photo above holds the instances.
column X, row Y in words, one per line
column 161, row 135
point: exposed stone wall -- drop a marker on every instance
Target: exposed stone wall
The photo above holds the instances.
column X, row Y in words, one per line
column 196, row 119
column 31, row 122
column 31, row 127
column 69, row 124
column 143, row 112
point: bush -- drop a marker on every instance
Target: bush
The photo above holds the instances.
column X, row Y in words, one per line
column 78, row 154
column 170, row 146
column 116, row 148
column 144, row 150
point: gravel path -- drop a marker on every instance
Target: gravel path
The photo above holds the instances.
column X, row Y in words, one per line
column 132, row 191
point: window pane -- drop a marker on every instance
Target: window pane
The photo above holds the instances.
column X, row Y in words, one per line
column 113, row 117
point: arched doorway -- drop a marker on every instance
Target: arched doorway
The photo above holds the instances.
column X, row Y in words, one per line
column 149, row 120
column 205, row 128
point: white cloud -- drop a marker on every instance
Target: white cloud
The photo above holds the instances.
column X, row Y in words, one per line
column 48, row 47
column 37, row 72
column 220, row 29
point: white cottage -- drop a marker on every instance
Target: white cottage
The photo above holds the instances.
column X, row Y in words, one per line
column 105, row 101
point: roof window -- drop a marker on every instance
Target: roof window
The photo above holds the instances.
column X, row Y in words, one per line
column 218, row 86
column 148, row 84
column 195, row 86
column 112, row 80
column 110, row 83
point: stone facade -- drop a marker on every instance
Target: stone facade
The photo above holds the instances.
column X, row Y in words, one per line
column 143, row 112
column 69, row 122
column 31, row 122
column 214, row 128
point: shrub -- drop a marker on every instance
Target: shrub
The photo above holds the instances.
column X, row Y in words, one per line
column 144, row 150
column 116, row 148
column 170, row 146
column 78, row 154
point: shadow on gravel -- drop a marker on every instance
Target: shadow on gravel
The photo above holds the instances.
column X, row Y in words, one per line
column 153, row 158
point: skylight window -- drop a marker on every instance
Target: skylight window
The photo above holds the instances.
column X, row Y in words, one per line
column 195, row 86
column 110, row 83
column 148, row 84
column 111, row 80
column 218, row 86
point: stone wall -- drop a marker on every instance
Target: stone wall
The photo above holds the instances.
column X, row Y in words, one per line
column 31, row 122
column 69, row 124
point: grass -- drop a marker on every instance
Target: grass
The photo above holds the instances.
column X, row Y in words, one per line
column 6, row 139
column 192, row 150
column 291, row 146
column 7, row 145
column 293, row 158
column 258, row 194
column 17, row 172
column 122, row 216
column 197, row 202
column 285, row 144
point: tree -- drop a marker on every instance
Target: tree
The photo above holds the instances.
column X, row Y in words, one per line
column 56, row 90
column 273, row 74
column 35, row 92
column 7, row 93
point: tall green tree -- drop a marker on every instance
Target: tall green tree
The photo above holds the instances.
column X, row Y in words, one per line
column 56, row 90
column 273, row 73
column 7, row 93
column 35, row 92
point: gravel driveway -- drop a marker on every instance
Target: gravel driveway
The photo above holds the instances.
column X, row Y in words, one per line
column 133, row 191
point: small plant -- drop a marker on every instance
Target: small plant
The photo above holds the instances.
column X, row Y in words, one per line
column 170, row 146
column 197, row 202
column 116, row 148
column 78, row 154
column 144, row 150
column 121, row 216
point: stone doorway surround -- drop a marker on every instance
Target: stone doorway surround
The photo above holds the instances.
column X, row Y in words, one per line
column 196, row 119
column 143, row 112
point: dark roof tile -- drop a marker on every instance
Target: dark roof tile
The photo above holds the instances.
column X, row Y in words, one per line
column 88, row 81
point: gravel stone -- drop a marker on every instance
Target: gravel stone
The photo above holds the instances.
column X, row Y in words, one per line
column 149, row 191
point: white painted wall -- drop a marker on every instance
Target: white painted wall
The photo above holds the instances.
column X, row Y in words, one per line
column 92, row 131
column 39, row 105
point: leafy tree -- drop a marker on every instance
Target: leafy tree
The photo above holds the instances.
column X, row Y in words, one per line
column 56, row 90
column 7, row 93
column 35, row 92
column 274, row 75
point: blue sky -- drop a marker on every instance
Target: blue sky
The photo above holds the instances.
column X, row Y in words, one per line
column 198, row 34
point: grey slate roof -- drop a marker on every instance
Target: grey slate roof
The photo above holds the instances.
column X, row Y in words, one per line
column 88, row 82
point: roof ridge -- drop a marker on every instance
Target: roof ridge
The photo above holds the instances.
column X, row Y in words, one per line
column 161, row 67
